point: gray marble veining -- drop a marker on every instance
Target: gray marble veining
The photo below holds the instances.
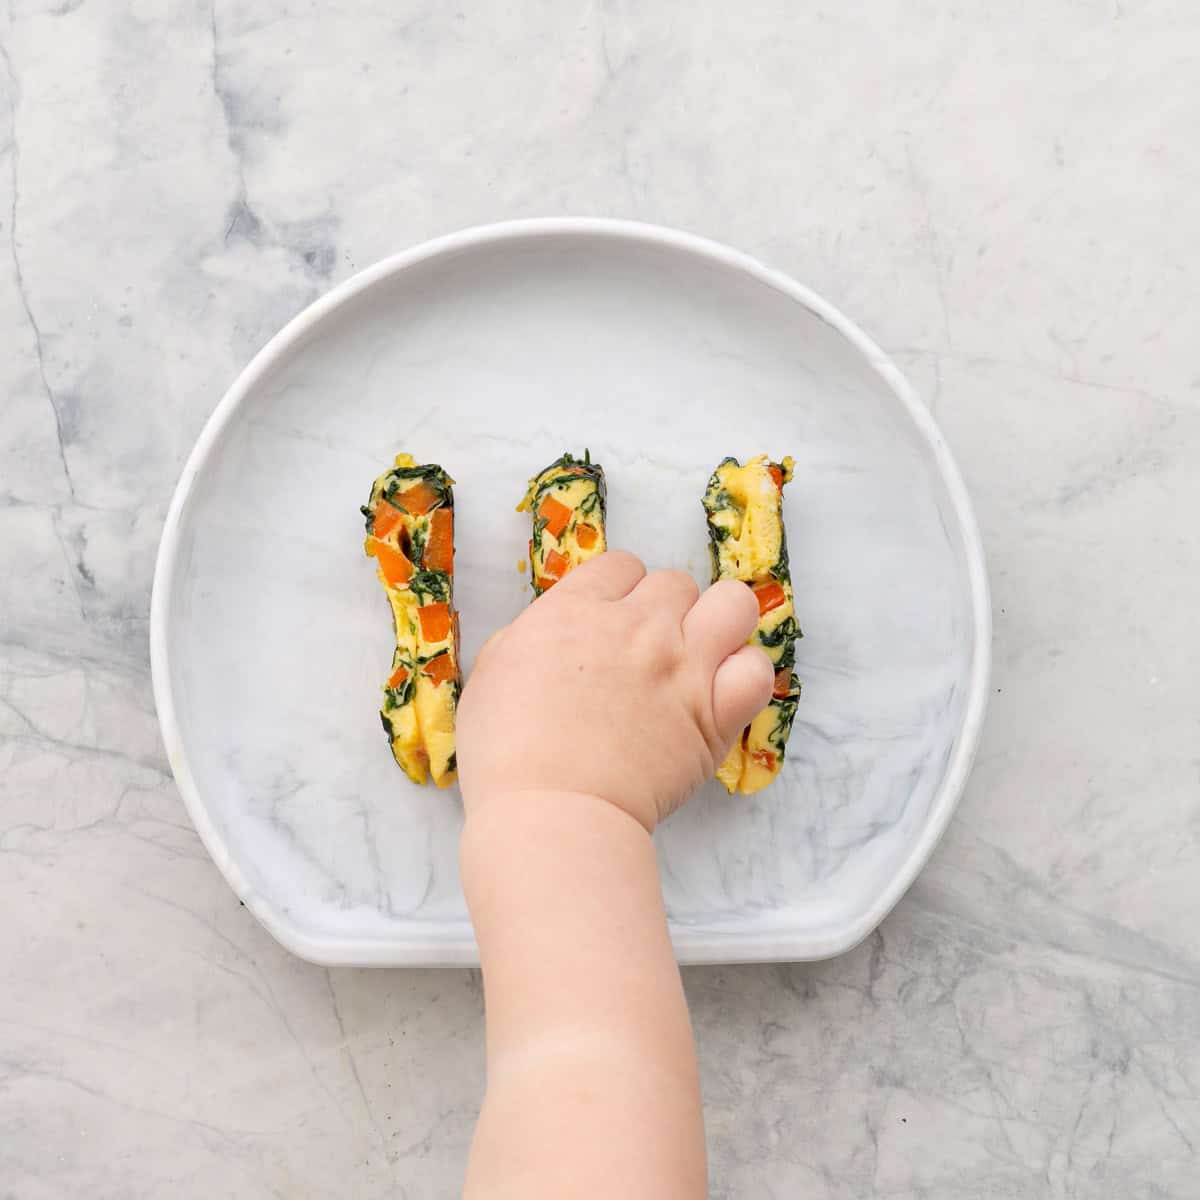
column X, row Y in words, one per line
column 1004, row 201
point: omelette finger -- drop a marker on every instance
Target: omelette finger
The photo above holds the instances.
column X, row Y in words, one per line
column 410, row 534
column 744, row 509
column 568, row 501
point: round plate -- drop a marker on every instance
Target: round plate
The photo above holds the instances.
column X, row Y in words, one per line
column 492, row 351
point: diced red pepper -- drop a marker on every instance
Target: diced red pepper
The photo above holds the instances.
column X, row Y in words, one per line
column 418, row 499
column 783, row 682
column 387, row 518
column 555, row 565
column 396, row 568
column 435, row 621
column 440, row 669
column 555, row 514
column 397, row 677
column 543, row 584
column 769, row 595
column 586, row 535
column 776, row 473
column 764, row 758
column 439, row 546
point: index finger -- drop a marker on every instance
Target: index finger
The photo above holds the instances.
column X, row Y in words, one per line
column 720, row 621
column 609, row 576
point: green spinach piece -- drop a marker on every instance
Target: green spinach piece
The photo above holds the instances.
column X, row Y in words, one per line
column 429, row 586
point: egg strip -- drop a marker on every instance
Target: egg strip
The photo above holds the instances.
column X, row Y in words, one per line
column 744, row 509
column 410, row 534
column 568, row 501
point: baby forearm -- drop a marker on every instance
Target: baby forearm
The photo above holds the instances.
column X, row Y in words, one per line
column 592, row 1084
column 630, row 689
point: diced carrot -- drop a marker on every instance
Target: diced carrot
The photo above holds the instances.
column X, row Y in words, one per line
column 435, row 621
column 783, row 682
column 555, row 514
column 776, row 473
column 555, row 565
column 439, row 546
column 440, row 669
column 586, row 535
column 418, row 499
column 397, row 677
column 544, row 584
column 764, row 758
column 387, row 517
column 770, row 595
column 395, row 566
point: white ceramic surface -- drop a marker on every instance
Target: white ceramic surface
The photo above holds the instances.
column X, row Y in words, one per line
column 491, row 351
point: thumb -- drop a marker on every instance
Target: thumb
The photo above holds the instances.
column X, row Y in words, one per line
column 741, row 689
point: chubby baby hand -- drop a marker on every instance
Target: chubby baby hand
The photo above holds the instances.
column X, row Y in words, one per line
column 616, row 683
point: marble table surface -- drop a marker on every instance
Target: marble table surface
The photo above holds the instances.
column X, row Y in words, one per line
column 1006, row 199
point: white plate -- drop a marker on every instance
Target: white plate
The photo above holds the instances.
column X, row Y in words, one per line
column 491, row 352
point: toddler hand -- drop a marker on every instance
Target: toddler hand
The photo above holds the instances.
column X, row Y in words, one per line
column 617, row 684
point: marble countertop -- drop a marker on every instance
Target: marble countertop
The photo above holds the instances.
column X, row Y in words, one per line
column 1005, row 202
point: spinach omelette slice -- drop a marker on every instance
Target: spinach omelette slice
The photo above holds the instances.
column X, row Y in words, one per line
column 744, row 510
column 410, row 534
column 568, row 501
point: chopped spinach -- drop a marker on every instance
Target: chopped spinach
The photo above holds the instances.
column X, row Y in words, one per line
column 715, row 501
column 783, row 632
column 429, row 585
column 432, row 474
column 397, row 697
column 601, row 488
column 577, row 468
column 416, row 550
column 719, row 500
column 786, row 708
column 786, row 656
column 781, row 570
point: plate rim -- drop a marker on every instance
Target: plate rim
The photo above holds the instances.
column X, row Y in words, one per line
column 691, row 945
